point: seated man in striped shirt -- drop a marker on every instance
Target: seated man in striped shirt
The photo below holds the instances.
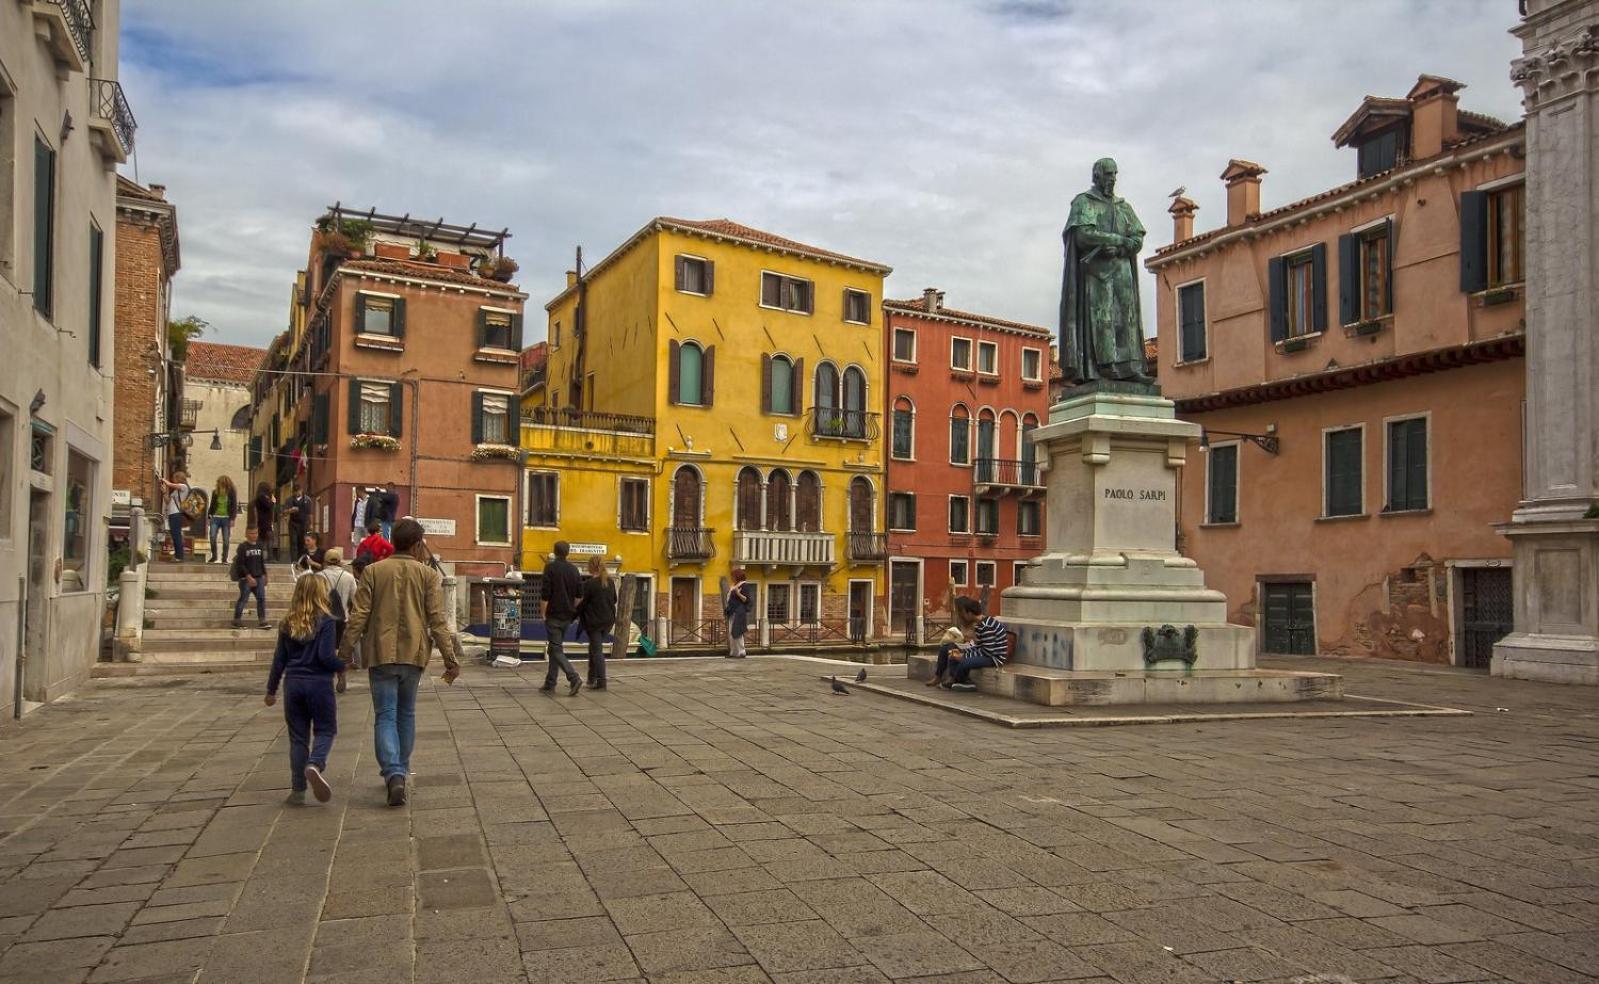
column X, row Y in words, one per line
column 987, row 647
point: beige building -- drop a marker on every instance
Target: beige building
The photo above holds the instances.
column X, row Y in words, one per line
column 64, row 127
column 216, row 392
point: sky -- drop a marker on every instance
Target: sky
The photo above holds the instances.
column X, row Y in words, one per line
column 944, row 138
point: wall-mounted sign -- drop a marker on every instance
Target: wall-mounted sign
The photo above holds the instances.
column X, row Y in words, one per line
column 587, row 548
column 438, row 527
column 121, row 497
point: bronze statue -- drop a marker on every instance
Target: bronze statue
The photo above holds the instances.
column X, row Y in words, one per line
column 1101, row 328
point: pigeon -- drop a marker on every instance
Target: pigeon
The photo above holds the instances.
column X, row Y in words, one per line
column 839, row 688
column 861, row 676
column 1178, row 193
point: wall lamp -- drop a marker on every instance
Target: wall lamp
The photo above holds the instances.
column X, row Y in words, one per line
column 161, row 440
column 1267, row 442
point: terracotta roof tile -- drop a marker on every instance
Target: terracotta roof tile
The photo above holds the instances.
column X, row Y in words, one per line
column 736, row 230
column 422, row 271
column 919, row 306
column 225, row 363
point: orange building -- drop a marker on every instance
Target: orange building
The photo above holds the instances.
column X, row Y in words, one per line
column 1356, row 361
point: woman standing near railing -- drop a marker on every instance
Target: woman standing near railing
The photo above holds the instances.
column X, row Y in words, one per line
column 737, row 609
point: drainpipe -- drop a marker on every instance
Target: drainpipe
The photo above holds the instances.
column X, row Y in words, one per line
column 517, row 546
column 22, row 639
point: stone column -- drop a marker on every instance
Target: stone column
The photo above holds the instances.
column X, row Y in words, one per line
column 1555, row 531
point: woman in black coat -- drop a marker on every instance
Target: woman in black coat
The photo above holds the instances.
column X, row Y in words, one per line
column 596, row 609
column 737, row 609
column 263, row 508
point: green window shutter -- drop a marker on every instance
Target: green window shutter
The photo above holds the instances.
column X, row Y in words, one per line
column 44, row 208
column 1416, row 479
column 396, row 406
column 1277, row 287
column 319, row 418
column 477, row 418
column 516, row 332
column 354, row 422
column 1388, row 274
column 1318, row 287
column 1348, row 278
column 1473, row 241
column 1343, row 473
column 1407, row 464
column 482, row 328
column 96, row 290
column 399, row 317
column 360, row 312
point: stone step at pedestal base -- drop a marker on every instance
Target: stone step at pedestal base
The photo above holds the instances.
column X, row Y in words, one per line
column 1060, row 688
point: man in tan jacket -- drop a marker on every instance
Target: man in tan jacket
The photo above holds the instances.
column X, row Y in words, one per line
column 397, row 618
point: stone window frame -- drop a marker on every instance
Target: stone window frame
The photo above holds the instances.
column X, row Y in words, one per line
column 1326, row 433
column 477, row 520
column 1387, row 463
column 1238, row 469
column 965, row 575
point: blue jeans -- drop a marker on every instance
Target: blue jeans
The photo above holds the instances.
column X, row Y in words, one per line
column 175, row 523
column 245, row 591
column 224, row 525
column 955, row 667
column 394, row 715
column 308, row 703
column 388, row 530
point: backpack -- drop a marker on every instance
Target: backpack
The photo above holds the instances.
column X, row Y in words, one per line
column 192, row 506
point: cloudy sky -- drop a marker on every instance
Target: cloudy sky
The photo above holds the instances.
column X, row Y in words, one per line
column 943, row 137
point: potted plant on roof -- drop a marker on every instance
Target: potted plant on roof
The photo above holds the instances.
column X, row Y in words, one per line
column 425, row 251
column 501, row 268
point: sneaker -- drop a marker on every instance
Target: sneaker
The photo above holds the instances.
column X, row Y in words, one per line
column 238, row 623
column 935, row 681
column 319, row 784
column 263, row 624
column 576, row 686
column 963, row 687
column 396, row 790
column 547, row 688
column 295, row 798
column 597, row 686
column 946, row 685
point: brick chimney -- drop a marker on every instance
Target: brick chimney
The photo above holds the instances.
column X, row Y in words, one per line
column 932, row 299
column 1182, row 218
column 1434, row 115
column 159, row 191
column 571, row 277
column 1243, row 190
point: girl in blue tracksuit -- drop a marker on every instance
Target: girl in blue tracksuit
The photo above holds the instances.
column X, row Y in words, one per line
column 307, row 663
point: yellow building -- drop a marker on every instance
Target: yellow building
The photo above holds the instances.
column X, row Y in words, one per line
column 707, row 404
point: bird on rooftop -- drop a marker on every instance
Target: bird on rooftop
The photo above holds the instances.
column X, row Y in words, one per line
column 839, row 688
column 861, row 676
column 1178, row 193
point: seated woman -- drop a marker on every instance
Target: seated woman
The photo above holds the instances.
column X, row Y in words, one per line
column 986, row 648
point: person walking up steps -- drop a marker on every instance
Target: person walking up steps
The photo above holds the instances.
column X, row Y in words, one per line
column 596, row 610
column 397, row 617
column 264, row 511
column 223, row 511
column 307, row 665
column 249, row 569
column 176, row 491
column 559, row 593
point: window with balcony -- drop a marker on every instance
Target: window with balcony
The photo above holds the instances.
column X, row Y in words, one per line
column 543, row 499
column 1028, row 517
column 695, row 275
column 1191, row 322
column 902, row 512
column 960, row 436
column 960, row 511
column 786, row 293
column 857, row 306
column 902, row 444
column 380, row 314
column 988, row 358
column 779, row 501
column 633, row 505
column 1408, row 488
column 1032, row 365
column 957, row 573
column 808, row 503
column 747, row 505
column 904, row 345
column 960, row 354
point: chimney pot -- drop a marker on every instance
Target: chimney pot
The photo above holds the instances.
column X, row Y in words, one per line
column 159, row 191
column 1243, row 190
column 1182, row 215
column 1434, row 115
column 571, row 277
column 932, row 299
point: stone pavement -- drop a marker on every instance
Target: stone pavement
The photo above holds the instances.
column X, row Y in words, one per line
column 733, row 822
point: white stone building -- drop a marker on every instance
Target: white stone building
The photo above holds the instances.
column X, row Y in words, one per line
column 216, row 386
column 64, row 128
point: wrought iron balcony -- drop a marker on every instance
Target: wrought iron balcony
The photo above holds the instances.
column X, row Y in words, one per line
column 782, row 548
column 831, row 423
column 991, row 476
column 689, row 543
column 111, row 121
column 867, row 546
column 71, row 30
column 189, row 414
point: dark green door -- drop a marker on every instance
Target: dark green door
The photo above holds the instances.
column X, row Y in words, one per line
column 1290, row 622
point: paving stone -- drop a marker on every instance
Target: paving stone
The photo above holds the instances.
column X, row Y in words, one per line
column 655, row 913
column 1429, row 964
column 147, row 960
column 693, row 948
column 579, row 965
column 797, row 945
column 481, row 961
column 918, row 954
column 755, row 908
column 456, row 888
column 83, row 920
column 555, row 934
column 53, row 960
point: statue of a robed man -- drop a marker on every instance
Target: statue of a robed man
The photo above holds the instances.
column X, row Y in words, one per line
column 1101, row 329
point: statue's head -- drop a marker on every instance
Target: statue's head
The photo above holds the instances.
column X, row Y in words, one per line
column 1105, row 176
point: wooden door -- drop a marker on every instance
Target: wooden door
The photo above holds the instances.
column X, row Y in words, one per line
column 902, row 601
column 685, row 605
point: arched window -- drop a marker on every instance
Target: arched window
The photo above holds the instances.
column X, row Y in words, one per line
column 826, row 386
column 1029, row 451
column 781, row 375
column 747, row 511
column 808, row 503
column 903, row 444
column 854, row 402
column 861, row 505
column 686, row 504
column 960, row 436
column 779, row 501
column 690, row 373
column 986, row 467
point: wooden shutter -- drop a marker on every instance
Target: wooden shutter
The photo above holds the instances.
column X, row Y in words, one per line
column 396, row 408
column 44, row 207
column 1398, row 470
column 516, row 332
column 399, row 317
column 679, row 276
column 1318, row 287
column 360, row 312
column 1277, row 289
column 710, row 277
column 797, row 390
column 708, row 377
column 354, row 423
column 1416, row 464
column 482, row 328
column 319, row 418
column 252, row 457
column 1388, row 267
column 674, row 370
column 1473, row 241
column 477, row 418
column 1348, row 278
column 766, row 383
column 96, row 290
column 1343, row 473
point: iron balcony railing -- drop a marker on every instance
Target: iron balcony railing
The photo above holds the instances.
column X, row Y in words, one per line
column 189, row 414
column 1011, row 474
column 689, row 543
column 782, row 547
column 110, row 104
column 619, row 423
column 80, row 24
column 844, row 425
column 867, row 546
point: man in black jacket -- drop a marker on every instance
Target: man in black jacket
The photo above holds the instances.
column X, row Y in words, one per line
column 560, row 590
column 388, row 502
column 299, row 509
column 249, row 569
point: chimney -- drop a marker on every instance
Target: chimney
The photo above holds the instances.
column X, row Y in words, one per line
column 1434, row 115
column 1182, row 218
column 159, row 191
column 571, row 277
column 932, row 299
column 1243, row 190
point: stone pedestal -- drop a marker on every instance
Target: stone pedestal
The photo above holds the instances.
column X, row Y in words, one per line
column 1113, row 613
column 1554, row 535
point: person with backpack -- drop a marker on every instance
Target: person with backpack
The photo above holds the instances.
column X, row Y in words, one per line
column 376, row 545
column 176, row 491
column 341, row 588
column 596, row 610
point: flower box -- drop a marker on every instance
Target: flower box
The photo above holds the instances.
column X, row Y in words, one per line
column 495, row 452
column 377, row 442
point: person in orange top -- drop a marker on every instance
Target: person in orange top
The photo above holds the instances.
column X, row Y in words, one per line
column 375, row 544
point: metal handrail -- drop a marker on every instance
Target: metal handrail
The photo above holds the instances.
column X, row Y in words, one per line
column 1003, row 471
column 110, row 103
column 80, row 24
column 689, row 543
column 867, row 546
column 844, row 425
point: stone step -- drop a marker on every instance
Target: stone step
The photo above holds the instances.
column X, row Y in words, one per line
column 1060, row 688
column 263, row 642
column 210, row 573
column 104, row 671
column 189, row 619
column 249, row 632
column 222, row 593
column 261, row 658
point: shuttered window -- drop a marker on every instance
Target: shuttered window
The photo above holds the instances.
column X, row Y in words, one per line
column 902, row 511
column 957, row 573
column 904, row 345
column 747, row 512
column 1407, row 465
column 1028, row 512
column 44, row 232
column 1298, row 293
column 378, row 315
column 786, row 293
column 543, row 499
column 96, row 290
column 493, row 519
column 1505, row 236
column 960, row 507
column 491, row 421
column 780, row 384
column 808, row 503
column 694, row 275
column 903, row 445
column 960, row 438
column 1342, row 460
column 857, row 306
column 779, row 501
column 1221, row 470
column 499, row 329
column 1191, row 321
column 960, row 353
column 988, row 516
column 633, row 509
column 692, row 374
column 372, row 410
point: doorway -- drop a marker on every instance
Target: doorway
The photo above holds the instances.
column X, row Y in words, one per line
column 860, row 610
column 904, row 589
column 35, row 640
column 1289, row 627
column 685, row 607
column 1486, row 613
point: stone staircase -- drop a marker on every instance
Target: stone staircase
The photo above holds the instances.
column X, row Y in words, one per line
column 188, row 622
